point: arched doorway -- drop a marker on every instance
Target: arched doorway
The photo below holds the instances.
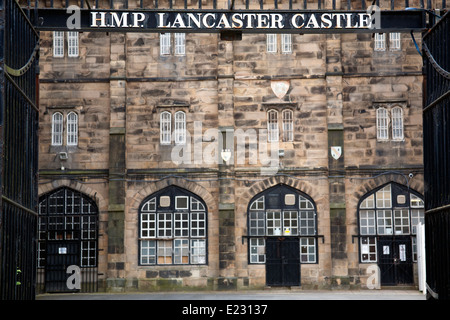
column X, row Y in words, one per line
column 282, row 233
column 388, row 217
column 67, row 242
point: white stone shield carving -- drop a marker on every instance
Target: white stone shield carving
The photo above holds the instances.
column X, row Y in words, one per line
column 336, row 152
column 280, row 87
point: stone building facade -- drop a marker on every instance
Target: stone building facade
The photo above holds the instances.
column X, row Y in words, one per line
column 325, row 140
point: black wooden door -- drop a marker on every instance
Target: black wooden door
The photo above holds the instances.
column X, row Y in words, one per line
column 395, row 260
column 60, row 255
column 282, row 262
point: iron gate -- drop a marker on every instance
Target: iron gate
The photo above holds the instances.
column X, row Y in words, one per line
column 19, row 46
column 436, row 124
column 67, row 242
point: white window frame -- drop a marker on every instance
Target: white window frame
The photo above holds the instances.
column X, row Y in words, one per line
column 148, row 252
column 379, row 42
column 180, row 127
column 58, row 44
column 180, row 251
column 367, row 222
column 273, row 222
column 385, row 224
column 371, row 244
column 272, row 126
column 304, row 203
column 384, row 197
column 174, row 237
column 180, row 44
column 165, row 127
column 290, row 223
column 164, row 225
column 164, row 252
column 57, row 129
column 73, row 44
column 72, row 129
column 271, row 42
column 307, row 221
column 397, row 123
column 257, row 250
column 394, row 41
column 258, row 204
column 382, row 124
column 198, row 251
column 286, row 43
column 308, row 250
column 198, row 224
column 181, row 224
column 401, row 221
column 257, row 223
column 288, row 125
column 164, row 43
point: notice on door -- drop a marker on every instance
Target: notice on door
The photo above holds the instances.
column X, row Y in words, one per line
column 385, row 249
column 402, row 251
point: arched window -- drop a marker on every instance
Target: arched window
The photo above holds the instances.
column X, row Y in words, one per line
column 382, row 124
column 397, row 123
column 165, row 127
column 180, row 127
column 288, row 125
column 272, row 125
column 387, row 212
column 57, row 129
column 282, row 211
column 72, row 129
column 172, row 228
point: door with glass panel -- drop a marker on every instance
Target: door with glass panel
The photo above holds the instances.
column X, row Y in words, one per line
column 388, row 218
column 282, row 233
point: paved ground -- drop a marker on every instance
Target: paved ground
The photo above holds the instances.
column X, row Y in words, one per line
column 284, row 295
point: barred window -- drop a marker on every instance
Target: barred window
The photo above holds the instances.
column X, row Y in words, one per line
column 286, row 43
column 165, row 127
column 57, row 129
column 180, row 44
column 394, row 41
column 164, row 43
column 72, row 44
column 379, row 42
column 271, row 43
column 382, row 124
column 72, row 129
column 272, row 125
column 58, row 44
column 288, row 125
column 397, row 123
column 180, row 127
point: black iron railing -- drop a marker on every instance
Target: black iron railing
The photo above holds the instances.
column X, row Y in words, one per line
column 19, row 44
column 436, row 141
column 241, row 4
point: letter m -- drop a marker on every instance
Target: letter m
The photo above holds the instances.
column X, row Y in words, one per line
column 119, row 22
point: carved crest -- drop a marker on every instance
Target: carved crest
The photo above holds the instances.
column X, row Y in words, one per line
column 280, row 87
